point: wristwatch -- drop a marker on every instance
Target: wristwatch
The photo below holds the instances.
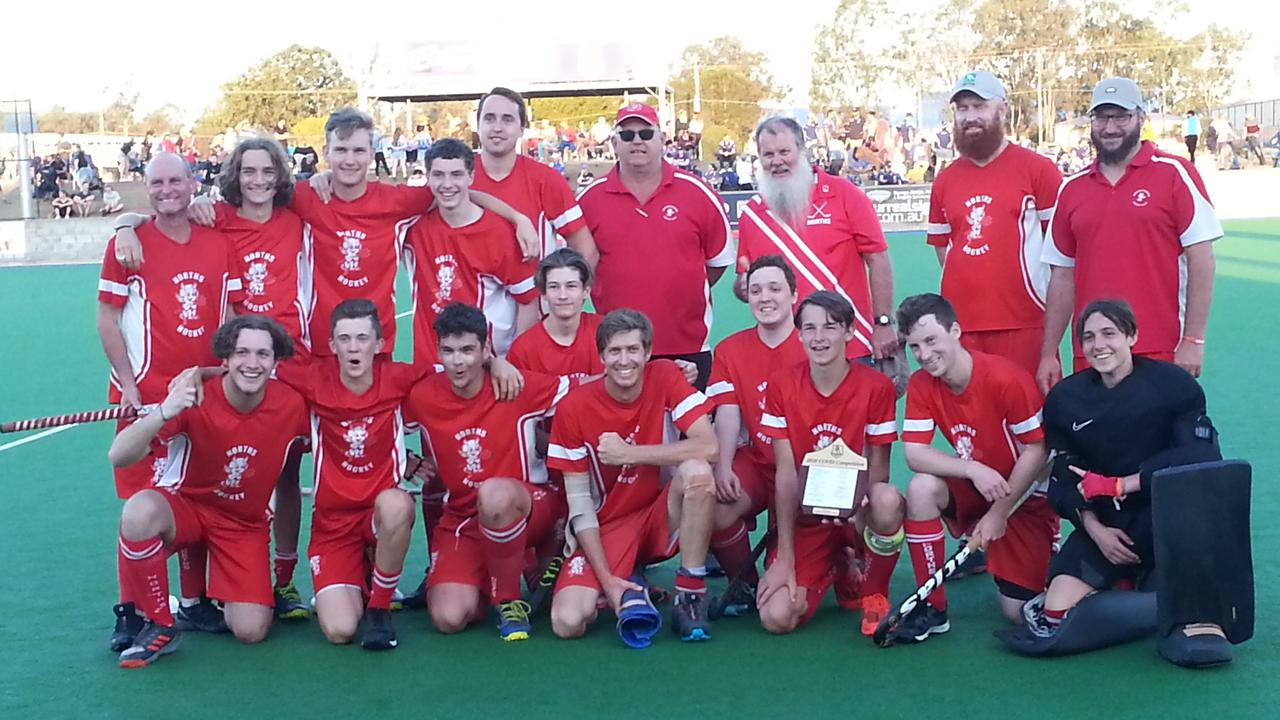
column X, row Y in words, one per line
column 883, row 321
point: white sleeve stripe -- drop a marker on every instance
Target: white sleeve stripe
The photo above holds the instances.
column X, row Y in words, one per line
column 562, row 389
column 521, row 287
column 234, row 284
column 914, row 425
column 114, row 288
column 1044, row 214
column 884, row 428
column 563, row 453
column 723, row 387
column 727, row 255
column 1204, row 223
column 1027, row 425
column 1052, row 255
column 939, row 228
column 773, row 421
column 573, row 213
column 687, row 404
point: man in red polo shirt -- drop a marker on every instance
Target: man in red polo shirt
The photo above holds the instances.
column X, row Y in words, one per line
column 1136, row 225
column 827, row 230
column 663, row 238
column 532, row 188
column 987, row 214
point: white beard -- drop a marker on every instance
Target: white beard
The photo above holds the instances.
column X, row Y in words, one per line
column 789, row 198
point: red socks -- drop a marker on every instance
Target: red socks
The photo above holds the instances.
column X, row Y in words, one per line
column 144, row 578
column 384, row 586
column 692, row 580
column 732, row 547
column 192, row 565
column 879, row 571
column 504, row 557
column 284, row 565
column 927, row 545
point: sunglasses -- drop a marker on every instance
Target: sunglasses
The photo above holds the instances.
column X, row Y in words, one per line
column 629, row 135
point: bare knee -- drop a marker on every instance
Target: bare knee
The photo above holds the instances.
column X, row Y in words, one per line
column 249, row 623
column 449, row 619
column 339, row 631
column 886, row 508
column 778, row 618
column 569, row 621
column 144, row 515
column 394, row 509
column 697, row 483
column 926, row 496
column 251, row 633
column 501, row 501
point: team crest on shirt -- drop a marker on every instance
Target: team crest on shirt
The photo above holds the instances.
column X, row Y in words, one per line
column 356, row 434
column 577, row 566
column 628, row 474
column 825, row 434
column 352, row 250
column 818, row 214
column 446, row 276
column 974, row 243
column 189, row 303
column 962, row 439
column 235, row 469
column 472, row 452
column 257, row 266
column 1141, row 197
column 670, row 213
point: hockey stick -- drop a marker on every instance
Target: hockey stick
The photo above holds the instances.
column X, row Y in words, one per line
column 118, row 412
column 546, row 583
column 716, row 607
column 883, row 636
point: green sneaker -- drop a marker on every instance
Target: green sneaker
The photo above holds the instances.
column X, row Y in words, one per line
column 289, row 605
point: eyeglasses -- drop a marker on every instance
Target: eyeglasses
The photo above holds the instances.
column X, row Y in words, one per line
column 1104, row 119
column 645, row 134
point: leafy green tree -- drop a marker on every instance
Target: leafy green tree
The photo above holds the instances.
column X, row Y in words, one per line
column 295, row 83
column 734, row 87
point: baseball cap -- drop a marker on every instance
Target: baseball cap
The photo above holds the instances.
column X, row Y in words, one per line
column 1118, row 91
column 980, row 83
column 637, row 110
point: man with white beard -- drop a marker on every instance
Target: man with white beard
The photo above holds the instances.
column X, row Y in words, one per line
column 827, row 230
column 988, row 212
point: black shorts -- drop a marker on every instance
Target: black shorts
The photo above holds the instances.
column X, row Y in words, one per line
column 1081, row 558
column 701, row 359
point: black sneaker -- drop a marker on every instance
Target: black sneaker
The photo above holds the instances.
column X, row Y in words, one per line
column 975, row 564
column 289, row 604
column 204, row 616
column 154, row 641
column 1033, row 616
column 688, row 619
column 924, row 621
column 379, row 632
column 740, row 602
column 416, row 600
column 128, row 624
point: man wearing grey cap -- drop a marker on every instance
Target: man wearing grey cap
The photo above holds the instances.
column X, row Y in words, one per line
column 988, row 211
column 1137, row 225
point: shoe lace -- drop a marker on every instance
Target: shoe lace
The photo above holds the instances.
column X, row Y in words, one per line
column 515, row 611
column 290, row 593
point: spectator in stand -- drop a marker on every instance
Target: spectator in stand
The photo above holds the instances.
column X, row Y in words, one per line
column 281, row 132
column 835, row 156
column 745, row 168
column 111, row 201
column 422, row 139
column 380, row 147
column 398, row 155
column 1225, row 139
column 567, row 143
column 600, row 133
column 943, row 150
column 931, row 172
column 727, row 152
column 307, row 159
column 1253, row 139
column 907, row 130
column 811, row 133
column 61, row 205
column 695, row 130
column 147, row 142
column 82, row 202
column 583, row 136
column 122, row 162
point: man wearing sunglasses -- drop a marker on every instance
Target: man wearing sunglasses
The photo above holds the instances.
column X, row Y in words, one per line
column 1137, row 225
column 663, row 238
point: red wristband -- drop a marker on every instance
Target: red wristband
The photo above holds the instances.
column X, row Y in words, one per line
column 1093, row 485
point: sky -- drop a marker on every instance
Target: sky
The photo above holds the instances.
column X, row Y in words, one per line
column 190, row 77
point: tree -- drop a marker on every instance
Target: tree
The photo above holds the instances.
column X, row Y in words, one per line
column 1026, row 43
column 295, row 83
column 1200, row 82
column 59, row 120
column 850, row 55
column 576, row 109
column 163, row 119
column 935, row 58
column 734, row 85
column 118, row 115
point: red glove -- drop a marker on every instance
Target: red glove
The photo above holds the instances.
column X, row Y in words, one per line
column 1093, row 485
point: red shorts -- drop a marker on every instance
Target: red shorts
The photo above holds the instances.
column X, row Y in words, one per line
column 239, row 553
column 756, row 480
column 818, row 549
column 1020, row 557
column 339, row 548
column 1021, row 345
column 1078, row 362
column 457, row 547
column 630, row 542
column 142, row 474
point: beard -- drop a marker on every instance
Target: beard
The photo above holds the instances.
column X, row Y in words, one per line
column 983, row 145
column 1127, row 144
column 788, row 198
